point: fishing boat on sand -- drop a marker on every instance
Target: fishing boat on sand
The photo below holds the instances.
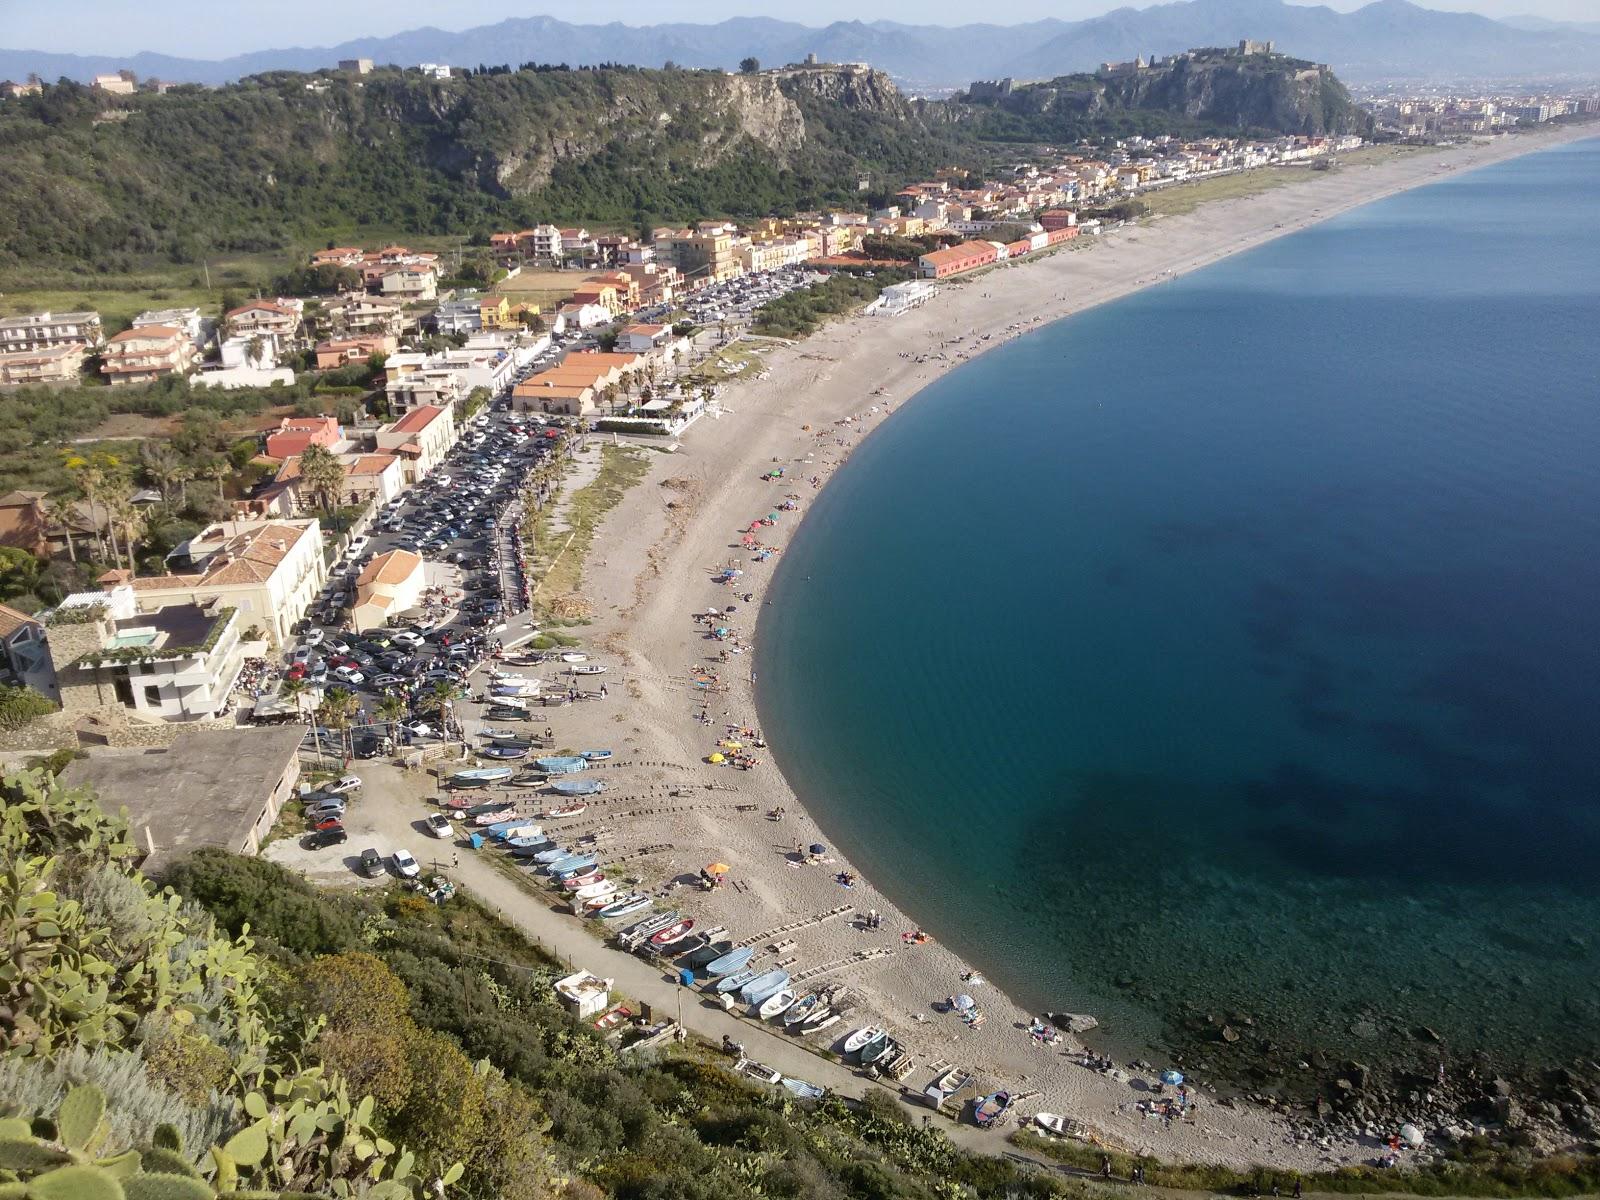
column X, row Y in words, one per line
column 801, row 1009
column 574, row 882
column 594, row 755
column 863, row 1037
column 762, row 986
column 880, row 1050
column 625, row 905
column 602, row 888
column 1051, row 1123
column 665, row 937
column 578, row 787
column 688, row 945
column 538, row 779
column 776, row 1004
column 569, row 764
column 531, row 852
column 804, row 1090
column 566, row 868
column 729, row 963
column 479, row 777
column 639, row 931
column 555, row 854
column 506, row 751
column 526, row 841
column 945, row 1086
column 991, row 1108
column 563, row 810
column 483, row 820
column 708, row 953
column 734, row 982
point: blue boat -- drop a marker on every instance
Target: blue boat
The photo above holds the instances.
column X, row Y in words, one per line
column 578, row 787
column 536, row 847
column 503, row 751
column 735, row 981
column 759, row 988
column 500, row 828
column 527, row 841
column 735, row 960
column 568, row 867
column 628, row 904
column 554, row 855
column 594, row 755
column 566, row 765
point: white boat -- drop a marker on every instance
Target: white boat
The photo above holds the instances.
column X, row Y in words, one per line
column 1051, row 1123
column 589, row 669
column 864, row 1036
column 595, row 891
column 822, row 1021
column 945, row 1086
column 801, row 1009
column 572, row 656
column 775, row 1004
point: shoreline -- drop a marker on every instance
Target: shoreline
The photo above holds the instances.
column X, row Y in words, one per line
column 645, row 577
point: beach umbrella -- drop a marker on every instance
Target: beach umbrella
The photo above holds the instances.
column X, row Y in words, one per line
column 1172, row 1077
column 965, row 1003
column 717, row 868
column 1411, row 1135
column 818, row 848
column 717, row 758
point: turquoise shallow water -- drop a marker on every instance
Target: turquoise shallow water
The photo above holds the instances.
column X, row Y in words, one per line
column 1234, row 649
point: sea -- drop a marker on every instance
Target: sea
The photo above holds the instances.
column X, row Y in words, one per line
column 1229, row 655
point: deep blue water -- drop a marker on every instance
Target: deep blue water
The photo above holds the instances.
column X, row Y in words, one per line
column 1236, row 647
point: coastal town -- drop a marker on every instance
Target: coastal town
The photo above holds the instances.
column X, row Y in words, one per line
column 482, row 618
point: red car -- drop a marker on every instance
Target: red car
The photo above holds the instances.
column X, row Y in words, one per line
column 344, row 660
column 298, row 671
column 328, row 823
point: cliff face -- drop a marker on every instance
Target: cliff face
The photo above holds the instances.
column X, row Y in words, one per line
column 1217, row 89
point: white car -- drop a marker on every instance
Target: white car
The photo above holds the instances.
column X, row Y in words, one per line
column 357, row 545
column 313, row 637
column 344, row 785
column 349, row 675
column 406, row 866
column 406, row 638
column 439, row 826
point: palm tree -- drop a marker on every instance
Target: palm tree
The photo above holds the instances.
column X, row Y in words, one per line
column 126, row 518
column 389, row 710
column 439, row 697
column 162, row 464
column 337, row 707
column 91, row 473
column 322, row 475
column 294, row 689
column 60, row 512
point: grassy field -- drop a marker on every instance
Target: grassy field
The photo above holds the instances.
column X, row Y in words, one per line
column 1186, row 197
column 562, row 549
column 548, row 289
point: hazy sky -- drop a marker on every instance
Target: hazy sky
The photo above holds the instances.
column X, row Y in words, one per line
column 207, row 29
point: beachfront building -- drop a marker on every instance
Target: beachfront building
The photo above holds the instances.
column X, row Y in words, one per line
column 953, row 260
column 389, row 585
column 368, row 479
column 898, row 298
column 269, row 570
column 55, row 365
column 421, row 439
column 45, row 331
column 575, row 386
column 294, row 435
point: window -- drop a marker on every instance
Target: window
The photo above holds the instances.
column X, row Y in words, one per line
column 152, row 696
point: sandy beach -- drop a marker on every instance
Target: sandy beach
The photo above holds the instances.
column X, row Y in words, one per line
column 651, row 569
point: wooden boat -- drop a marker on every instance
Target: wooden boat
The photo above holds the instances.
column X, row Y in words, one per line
column 530, row 835
column 501, row 830
column 573, row 656
column 578, row 787
column 553, row 855
column 625, row 905
column 574, row 882
column 688, row 945
column 601, row 889
column 479, row 777
column 1051, row 1123
column 562, row 764
column 875, row 1050
column 594, row 755
column 734, row 960
column 665, row 937
column 821, row 1021
column 945, row 1086
column 535, row 847
column 520, row 830
column 509, row 753
column 530, row 781
column 589, row 669
column 734, row 982
column 709, row 953
column 643, row 929
column 591, row 908
column 483, row 820
column 562, row 810
column 760, row 1072
column 991, row 1108
column 763, row 986
column 801, row 1009
column 776, row 1004
column 863, row 1037
column 505, row 735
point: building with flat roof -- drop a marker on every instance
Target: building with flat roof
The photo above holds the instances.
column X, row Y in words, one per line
column 147, row 353
column 41, row 331
column 421, row 438
column 389, row 585
column 217, row 788
column 56, row 364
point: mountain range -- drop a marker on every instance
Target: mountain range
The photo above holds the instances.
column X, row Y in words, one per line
column 1387, row 39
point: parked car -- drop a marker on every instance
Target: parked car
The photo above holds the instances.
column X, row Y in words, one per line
column 407, row 638
column 313, row 637
column 334, row 835
column 323, row 809
column 371, row 863
column 326, row 823
column 439, row 825
column 344, row 785
column 406, row 866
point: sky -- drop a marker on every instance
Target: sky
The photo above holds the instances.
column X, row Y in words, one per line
column 207, row 29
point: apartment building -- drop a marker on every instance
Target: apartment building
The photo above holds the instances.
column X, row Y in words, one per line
column 421, row 438
column 269, row 570
column 43, row 331
column 700, row 257
column 342, row 352
column 145, row 355
column 56, row 365
column 361, row 315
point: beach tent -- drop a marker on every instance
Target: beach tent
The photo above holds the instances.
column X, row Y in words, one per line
column 965, row 1003
column 1172, row 1077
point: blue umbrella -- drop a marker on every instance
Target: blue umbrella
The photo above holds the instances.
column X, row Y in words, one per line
column 1172, row 1077
column 818, row 848
column 965, row 1003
